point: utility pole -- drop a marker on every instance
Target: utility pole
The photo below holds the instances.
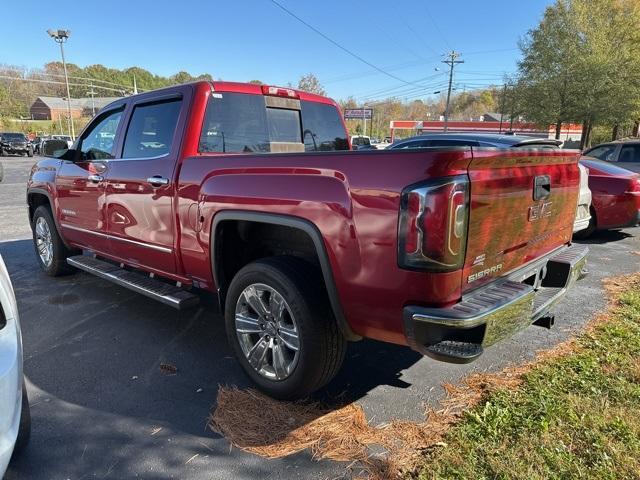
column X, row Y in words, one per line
column 93, row 103
column 451, row 61
column 60, row 37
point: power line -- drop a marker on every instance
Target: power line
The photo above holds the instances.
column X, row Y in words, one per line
column 46, row 74
column 436, row 26
column 344, row 49
column 8, row 77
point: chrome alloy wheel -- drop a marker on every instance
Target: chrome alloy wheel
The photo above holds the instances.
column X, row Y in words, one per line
column 44, row 243
column 267, row 331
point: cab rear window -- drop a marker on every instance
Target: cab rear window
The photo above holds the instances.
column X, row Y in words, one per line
column 243, row 123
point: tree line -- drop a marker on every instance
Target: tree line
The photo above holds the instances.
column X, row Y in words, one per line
column 581, row 65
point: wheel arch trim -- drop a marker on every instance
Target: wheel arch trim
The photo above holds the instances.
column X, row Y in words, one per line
column 287, row 221
column 42, row 191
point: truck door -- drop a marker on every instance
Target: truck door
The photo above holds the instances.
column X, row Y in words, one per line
column 80, row 183
column 140, row 185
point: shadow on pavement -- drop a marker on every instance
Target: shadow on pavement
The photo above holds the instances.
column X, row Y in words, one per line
column 604, row 236
column 92, row 358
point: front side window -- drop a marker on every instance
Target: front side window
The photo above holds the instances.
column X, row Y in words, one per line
column 98, row 141
column 151, row 129
column 603, row 152
column 322, row 128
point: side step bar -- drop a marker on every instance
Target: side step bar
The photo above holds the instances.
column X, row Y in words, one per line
column 163, row 292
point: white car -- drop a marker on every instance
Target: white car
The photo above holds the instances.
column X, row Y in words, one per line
column 583, row 212
column 15, row 418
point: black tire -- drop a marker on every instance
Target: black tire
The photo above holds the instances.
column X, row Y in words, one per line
column 58, row 265
column 587, row 232
column 24, row 431
column 322, row 345
column 2, row 152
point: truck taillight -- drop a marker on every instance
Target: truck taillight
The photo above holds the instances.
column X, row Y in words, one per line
column 432, row 232
column 279, row 92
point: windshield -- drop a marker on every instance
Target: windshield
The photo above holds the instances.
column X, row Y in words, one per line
column 360, row 141
column 14, row 137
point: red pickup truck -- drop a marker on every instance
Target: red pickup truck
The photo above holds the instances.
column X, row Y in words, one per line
column 252, row 192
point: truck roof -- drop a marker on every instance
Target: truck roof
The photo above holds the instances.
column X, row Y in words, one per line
column 234, row 87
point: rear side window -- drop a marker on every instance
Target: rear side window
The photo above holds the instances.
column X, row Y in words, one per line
column 151, row 129
column 453, row 143
column 630, row 153
column 414, row 144
column 322, row 128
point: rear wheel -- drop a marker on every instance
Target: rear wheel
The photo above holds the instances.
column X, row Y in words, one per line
column 50, row 250
column 281, row 328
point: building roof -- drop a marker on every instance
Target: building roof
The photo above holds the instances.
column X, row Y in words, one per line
column 57, row 103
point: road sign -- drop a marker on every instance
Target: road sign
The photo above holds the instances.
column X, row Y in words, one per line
column 358, row 113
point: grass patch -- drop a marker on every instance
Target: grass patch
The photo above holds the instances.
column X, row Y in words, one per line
column 575, row 415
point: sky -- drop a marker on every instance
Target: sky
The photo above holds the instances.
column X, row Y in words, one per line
column 256, row 39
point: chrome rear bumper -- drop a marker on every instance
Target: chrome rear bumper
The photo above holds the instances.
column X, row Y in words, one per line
column 495, row 311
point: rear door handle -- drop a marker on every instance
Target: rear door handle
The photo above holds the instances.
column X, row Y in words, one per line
column 95, row 178
column 158, row 181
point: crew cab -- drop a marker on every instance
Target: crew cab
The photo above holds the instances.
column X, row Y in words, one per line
column 253, row 192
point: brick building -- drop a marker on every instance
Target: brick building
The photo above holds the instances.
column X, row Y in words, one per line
column 52, row 108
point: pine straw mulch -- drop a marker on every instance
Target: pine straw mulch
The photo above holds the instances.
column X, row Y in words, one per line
column 270, row 428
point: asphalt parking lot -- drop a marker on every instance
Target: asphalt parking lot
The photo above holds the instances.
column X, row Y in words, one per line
column 102, row 407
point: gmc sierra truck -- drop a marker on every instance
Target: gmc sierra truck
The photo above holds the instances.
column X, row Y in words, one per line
column 253, row 192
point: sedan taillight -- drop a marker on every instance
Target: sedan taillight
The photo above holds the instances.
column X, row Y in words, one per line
column 432, row 231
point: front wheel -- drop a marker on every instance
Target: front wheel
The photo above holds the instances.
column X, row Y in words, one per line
column 50, row 250
column 281, row 327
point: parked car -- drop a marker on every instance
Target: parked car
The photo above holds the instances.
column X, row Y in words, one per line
column 36, row 142
column 583, row 215
column 15, row 417
column 251, row 192
column 616, row 196
column 475, row 140
column 14, row 143
column 626, row 153
column 361, row 142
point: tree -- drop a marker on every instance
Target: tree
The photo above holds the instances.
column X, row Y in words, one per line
column 310, row 83
column 580, row 65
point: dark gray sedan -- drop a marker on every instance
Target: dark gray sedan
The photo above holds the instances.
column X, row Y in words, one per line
column 625, row 153
column 475, row 140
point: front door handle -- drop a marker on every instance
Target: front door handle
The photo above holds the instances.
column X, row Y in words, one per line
column 158, row 181
column 95, row 178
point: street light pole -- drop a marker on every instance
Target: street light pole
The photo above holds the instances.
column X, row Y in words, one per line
column 60, row 37
column 451, row 62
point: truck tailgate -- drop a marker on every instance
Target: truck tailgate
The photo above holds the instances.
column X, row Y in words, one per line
column 523, row 204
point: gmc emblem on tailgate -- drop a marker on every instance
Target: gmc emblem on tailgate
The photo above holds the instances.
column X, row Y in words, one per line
column 540, row 210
